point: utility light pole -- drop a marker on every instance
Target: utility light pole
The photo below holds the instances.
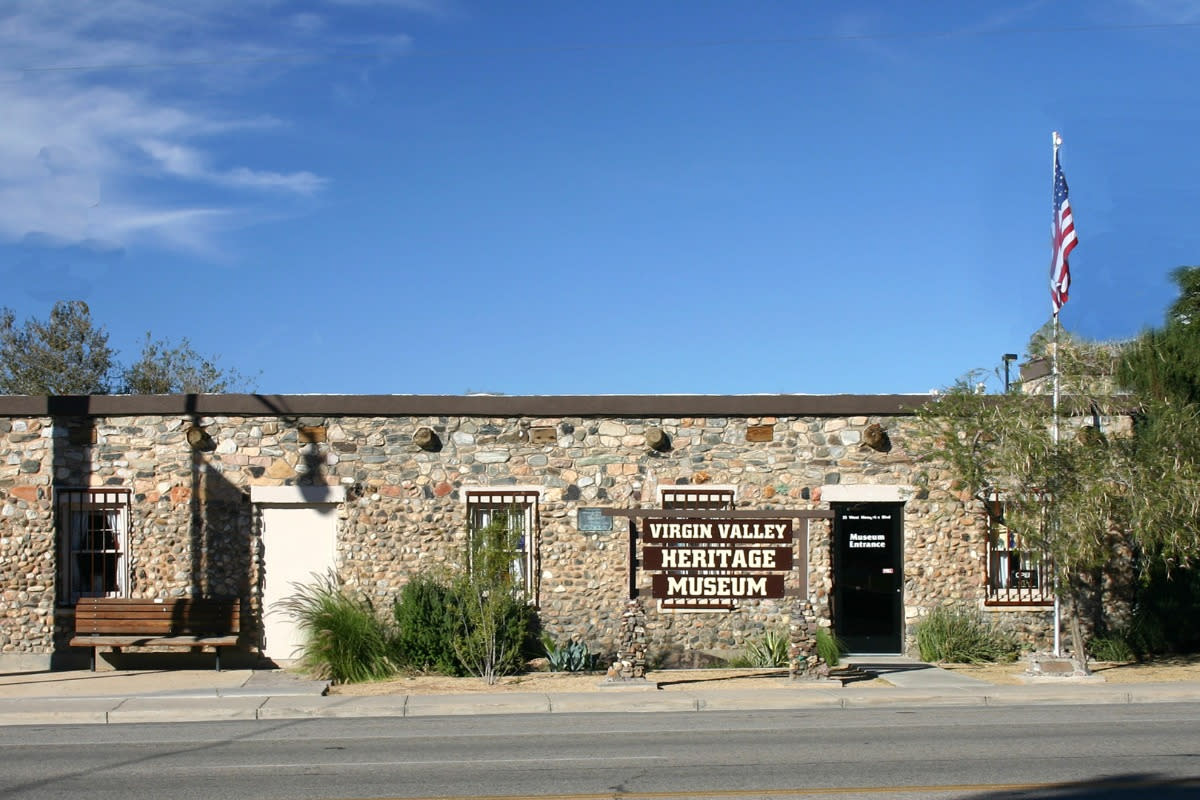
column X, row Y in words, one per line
column 1008, row 359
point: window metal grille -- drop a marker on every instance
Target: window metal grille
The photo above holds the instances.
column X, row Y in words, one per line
column 689, row 497
column 1016, row 574
column 517, row 510
column 93, row 529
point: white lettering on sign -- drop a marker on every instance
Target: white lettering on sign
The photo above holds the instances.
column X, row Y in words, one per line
column 752, row 530
column 874, row 540
column 681, row 530
column 716, row 587
column 700, row 530
column 717, row 558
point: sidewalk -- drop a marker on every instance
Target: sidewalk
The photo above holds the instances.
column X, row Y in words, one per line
column 80, row 697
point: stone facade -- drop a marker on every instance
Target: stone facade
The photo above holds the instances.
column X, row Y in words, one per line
column 190, row 466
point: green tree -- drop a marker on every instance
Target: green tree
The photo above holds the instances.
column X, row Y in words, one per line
column 1163, row 364
column 1101, row 492
column 69, row 354
column 167, row 369
column 64, row 354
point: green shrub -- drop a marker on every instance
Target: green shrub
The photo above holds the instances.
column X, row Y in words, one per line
column 426, row 624
column 1111, row 648
column 772, row 650
column 573, row 656
column 829, row 647
column 959, row 635
column 345, row 641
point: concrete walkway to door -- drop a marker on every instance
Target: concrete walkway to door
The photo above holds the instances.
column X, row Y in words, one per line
column 908, row 673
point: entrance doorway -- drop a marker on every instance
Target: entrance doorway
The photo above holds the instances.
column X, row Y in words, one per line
column 299, row 539
column 868, row 576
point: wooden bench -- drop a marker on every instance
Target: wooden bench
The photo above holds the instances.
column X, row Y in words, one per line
column 186, row 622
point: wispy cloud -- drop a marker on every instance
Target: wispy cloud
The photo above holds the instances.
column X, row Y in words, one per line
column 1173, row 12
column 189, row 163
column 103, row 136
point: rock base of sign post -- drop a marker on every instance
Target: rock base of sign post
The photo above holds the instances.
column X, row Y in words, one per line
column 629, row 668
column 804, row 663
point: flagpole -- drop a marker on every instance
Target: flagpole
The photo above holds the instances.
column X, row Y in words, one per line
column 1055, row 141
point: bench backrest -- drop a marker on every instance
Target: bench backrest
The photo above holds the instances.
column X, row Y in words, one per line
column 186, row 616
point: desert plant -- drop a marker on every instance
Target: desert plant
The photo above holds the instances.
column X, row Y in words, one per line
column 494, row 621
column 426, row 624
column 345, row 641
column 959, row 635
column 772, row 650
column 829, row 647
column 573, row 656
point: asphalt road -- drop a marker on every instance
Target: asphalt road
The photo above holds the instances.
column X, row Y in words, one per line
column 1115, row 751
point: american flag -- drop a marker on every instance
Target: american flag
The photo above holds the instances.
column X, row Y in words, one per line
column 1062, row 240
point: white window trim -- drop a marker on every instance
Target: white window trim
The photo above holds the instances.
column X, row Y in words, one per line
column 69, row 501
column 521, row 496
column 866, row 493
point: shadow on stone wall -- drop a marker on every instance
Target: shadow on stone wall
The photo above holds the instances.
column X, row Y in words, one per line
column 70, row 468
column 310, row 472
column 220, row 529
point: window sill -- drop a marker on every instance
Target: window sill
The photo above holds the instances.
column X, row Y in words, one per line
column 1017, row 605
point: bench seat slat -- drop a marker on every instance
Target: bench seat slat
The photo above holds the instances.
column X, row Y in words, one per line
column 153, row 641
column 184, row 622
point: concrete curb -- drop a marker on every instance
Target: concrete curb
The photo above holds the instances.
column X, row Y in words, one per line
column 212, row 707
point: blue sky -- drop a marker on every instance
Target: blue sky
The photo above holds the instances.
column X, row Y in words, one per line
column 447, row 196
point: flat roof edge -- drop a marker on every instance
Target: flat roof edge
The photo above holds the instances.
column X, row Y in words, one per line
column 463, row 405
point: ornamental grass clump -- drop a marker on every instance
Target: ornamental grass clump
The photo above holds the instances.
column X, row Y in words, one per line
column 961, row 636
column 829, row 647
column 345, row 640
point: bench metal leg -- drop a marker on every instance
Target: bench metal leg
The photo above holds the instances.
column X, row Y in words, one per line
column 218, row 649
column 95, row 650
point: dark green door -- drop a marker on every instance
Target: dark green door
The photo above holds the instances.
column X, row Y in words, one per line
column 868, row 576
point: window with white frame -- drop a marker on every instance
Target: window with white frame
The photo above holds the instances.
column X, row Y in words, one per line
column 93, row 530
column 515, row 511
column 1017, row 574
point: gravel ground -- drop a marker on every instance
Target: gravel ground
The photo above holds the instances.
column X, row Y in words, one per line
column 1164, row 670
column 1181, row 668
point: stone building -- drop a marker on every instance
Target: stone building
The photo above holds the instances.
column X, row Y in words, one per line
column 246, row 495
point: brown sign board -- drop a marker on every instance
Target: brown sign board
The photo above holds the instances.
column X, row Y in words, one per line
column 693, row 531
column 717, row 588
column 760, row 433
column 708, row 557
